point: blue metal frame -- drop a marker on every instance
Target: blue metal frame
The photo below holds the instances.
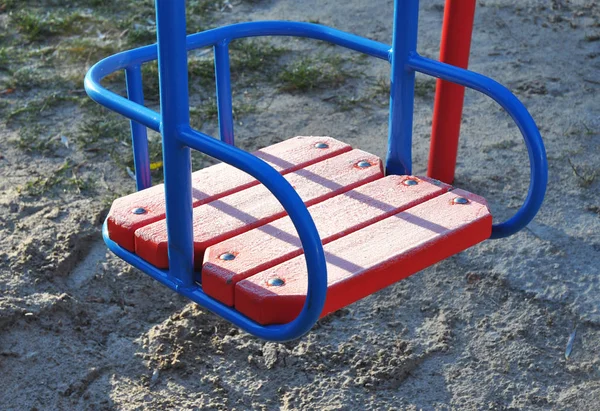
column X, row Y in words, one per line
column 179, row 137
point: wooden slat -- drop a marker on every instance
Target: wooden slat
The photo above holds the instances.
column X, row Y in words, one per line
column 274, row 243
column 215, row 182
column 370, row 259
column 256, row 206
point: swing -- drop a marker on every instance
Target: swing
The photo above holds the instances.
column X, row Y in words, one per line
column 273, row 240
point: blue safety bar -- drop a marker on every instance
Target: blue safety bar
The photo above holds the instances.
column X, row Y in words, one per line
column 178, row 136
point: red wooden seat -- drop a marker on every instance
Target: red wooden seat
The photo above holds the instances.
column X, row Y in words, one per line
column 255, row 206
column 141, row 208
column 266, row 246
column 376, row 230
column 370, row 259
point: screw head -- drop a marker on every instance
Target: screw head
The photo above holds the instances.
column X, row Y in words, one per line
column 363, row 164
column 321, row 145
column 460, row 200
column 139, row 211
column 410, row 182
column 275, row 282
column 227, row 257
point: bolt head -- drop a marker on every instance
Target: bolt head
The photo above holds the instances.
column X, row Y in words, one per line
column 363, row 164
column 275, row 282
column 227, row 257
column 321, row 145
column 410, row 182
column 139, row 211
column 460, row 200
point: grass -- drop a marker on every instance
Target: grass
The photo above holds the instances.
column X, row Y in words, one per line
column 35, row 140
column 585, row 175
column 347, row 103
column 592, row 37
column 39, row 26
column 84, row 50
column 314, row 73
column 98, row 128
column 202, row 72
column 32, row 110
column 47, row 49
column 25, row 78
column 4, row 59
column 424, row 87
column 500, row 145
column 150, row 81
column 65, row 176
column 253, row 61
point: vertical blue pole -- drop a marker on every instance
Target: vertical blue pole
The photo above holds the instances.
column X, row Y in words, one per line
column 399, row 155
column 139, row 135
column 175, row 116
column 225, row 108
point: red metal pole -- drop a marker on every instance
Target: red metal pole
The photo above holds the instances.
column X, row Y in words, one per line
column 447, row 111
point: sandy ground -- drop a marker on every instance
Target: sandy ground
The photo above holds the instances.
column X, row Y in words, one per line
column 485, row 329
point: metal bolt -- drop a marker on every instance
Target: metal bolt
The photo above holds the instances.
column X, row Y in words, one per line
column 460, row 200
column 227, row 257
column 321, row 145
column 139, row 211
column 363, row 164
column 275, row 282
column 410, row 182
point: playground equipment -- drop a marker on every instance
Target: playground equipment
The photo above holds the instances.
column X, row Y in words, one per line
column 217, row 237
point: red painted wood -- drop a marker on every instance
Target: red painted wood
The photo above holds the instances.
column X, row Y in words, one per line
column 447, row 111
column 255, row 206
column 215, row 182
column 274, row 243
column 370, row 259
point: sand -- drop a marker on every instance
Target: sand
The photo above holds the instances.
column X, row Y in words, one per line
column 485, row 329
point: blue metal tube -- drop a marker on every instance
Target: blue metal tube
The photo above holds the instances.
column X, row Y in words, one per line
column 151, row 119
column 399, row 153
column 139, row 135
column 305, row 226
column 195, row 293
column 224, row 104
column 533, row 140
column 174, row 103
column 290, row 28
column 113, row 101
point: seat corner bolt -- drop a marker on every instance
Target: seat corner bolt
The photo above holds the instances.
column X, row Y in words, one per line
column 227, row 257
column 460, row 200
column 275, row 282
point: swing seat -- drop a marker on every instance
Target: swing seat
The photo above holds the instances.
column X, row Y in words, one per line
column 376, row 229
column 311, row 225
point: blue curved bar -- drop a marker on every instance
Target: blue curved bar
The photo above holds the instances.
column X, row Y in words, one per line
column 151, row 119
column 305, row 226
column 272, row 332
column 538, row 162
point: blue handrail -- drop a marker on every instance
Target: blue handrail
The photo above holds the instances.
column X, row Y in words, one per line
column 179, row 137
